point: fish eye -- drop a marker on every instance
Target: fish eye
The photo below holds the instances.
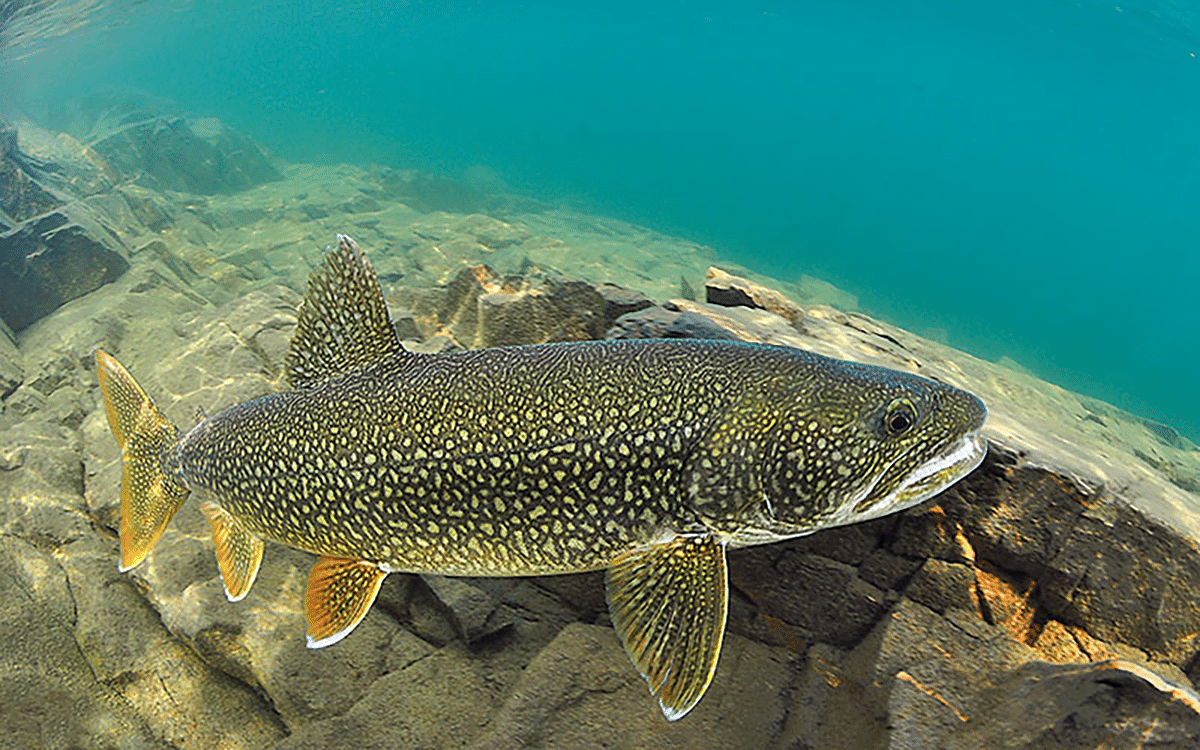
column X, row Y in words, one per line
column 901, row 415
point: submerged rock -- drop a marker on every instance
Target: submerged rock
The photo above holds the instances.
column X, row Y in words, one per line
column 48, row 694
column 479, row 308
column 191, row 156
column 576, row 694
column 55, row 258
column 12, row 370
column 725, row 289
column 21, row 196
column 1106, row 704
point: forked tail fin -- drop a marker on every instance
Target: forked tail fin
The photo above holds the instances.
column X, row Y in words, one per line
column 149, row 496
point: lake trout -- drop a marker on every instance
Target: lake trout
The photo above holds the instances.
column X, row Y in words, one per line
column 645, row 458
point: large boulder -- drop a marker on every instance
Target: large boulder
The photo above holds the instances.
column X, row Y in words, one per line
column 54, row 258
column 186, row 155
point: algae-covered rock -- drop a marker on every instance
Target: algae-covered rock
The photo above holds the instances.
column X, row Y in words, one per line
column 48, row 695
column 53, row 247
column 12, row 369
column 478, row 308
column 680, row 318
column 439, row 701
column 1106, row 704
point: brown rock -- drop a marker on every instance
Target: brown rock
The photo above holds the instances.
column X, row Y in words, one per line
column 1106, row 704
column 727, row 290
column 1009, row 600
column 620, row 301
column 1056, row 643
column 909, row 684
column 887, row 571
column 580, row 693
column 924, row 672
column 1108, row 567
column 680, row 318
column 438, row 701
column 553, row 310
column 941, row 585
column 805, row 598
column 477, row 308
column 474, row 610
column 667, row 322
column 932, row 533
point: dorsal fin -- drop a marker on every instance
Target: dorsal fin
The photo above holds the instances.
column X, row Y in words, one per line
column 343, row 322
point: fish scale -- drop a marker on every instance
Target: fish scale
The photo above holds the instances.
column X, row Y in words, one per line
column 647, row 459
column 561, row 494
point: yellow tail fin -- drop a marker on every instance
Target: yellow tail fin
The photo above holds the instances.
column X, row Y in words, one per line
column 149, row 496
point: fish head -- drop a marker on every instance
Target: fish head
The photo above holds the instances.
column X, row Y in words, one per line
column 863, row 443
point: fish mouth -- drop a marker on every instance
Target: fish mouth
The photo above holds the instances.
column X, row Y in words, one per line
column 941, row 471
column 926, row 480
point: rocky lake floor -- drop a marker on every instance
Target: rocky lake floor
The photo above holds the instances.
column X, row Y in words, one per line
column 1048, row 600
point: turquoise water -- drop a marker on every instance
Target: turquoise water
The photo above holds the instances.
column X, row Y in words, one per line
column 1022, row 176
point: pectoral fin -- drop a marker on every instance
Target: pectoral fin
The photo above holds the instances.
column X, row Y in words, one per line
column 239, row 552
column 340, row 591
column 668, row 603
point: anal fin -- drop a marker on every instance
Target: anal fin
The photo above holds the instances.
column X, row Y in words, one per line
column 239, row 552
column 668, row 603
column 340, row 591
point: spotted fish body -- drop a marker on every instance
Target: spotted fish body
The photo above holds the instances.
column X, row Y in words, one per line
column 644, row 458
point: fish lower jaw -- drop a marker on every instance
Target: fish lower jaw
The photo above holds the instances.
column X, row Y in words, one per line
column 940, row 472
column 923, row 482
